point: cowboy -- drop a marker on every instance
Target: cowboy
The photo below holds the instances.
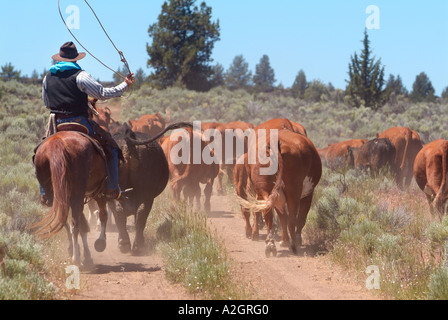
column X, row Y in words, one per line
column 65, row 92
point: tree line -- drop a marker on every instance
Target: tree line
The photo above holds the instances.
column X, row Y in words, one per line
column 180, row 54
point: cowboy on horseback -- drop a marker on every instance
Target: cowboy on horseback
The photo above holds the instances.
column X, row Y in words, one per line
column 65, row 92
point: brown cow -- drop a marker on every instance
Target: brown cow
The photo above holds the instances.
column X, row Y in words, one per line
column 186, row 172
column 103, row 118
column 374, row 155
column 407, row 145
column 282, row 123
column 149, row 124
column 336, row 156
column 101, row 115
column 290, row 191
column 240, row 133
column 430, row 172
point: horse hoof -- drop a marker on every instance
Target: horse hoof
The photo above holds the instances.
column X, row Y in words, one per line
column 294, row 249
column 124, row 248
column 284, row 244
column 87, row 265
column 100, row 245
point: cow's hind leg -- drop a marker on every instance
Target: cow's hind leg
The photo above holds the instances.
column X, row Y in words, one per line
column 138, row 247
column 270, row 241
column 282, row 214
column 304, row 208
column 124, row 242
column 100, row 243
column 293, row 209
column 208, row 194
column 247, row 227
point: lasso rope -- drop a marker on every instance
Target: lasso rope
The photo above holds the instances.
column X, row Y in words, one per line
column 122, row 58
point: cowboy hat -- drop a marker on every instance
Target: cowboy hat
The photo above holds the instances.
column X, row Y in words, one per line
column 68, row 53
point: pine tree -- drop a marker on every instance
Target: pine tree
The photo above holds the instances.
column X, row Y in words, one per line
column 238, row 76
column 366, row 79
column 217, row 77
column 394, row 85
column 8, row 72
column 445, row 93
column 422, row 89
column 299, row 86
column 140, row 78
column 182, row 43
column 394, row 88
column 264, row 77
column 316, row 91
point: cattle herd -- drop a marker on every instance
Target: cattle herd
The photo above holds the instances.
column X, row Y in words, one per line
column 289, row 191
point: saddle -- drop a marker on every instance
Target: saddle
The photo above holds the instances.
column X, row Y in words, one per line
column 72, row 126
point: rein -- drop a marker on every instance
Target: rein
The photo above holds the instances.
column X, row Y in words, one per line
column 122, row 58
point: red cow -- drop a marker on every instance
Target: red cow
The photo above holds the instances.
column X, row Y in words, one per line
column 430, row 172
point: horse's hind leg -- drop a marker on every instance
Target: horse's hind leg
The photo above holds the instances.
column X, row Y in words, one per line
column 80, row 226
column 70, row 240
column 84, row 229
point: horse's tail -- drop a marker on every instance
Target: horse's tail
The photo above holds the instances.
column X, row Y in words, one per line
column 56, row 218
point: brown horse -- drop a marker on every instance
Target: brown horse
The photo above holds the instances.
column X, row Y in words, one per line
column 70, row 168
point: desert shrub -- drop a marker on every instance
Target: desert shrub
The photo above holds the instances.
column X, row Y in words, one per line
column 24, row 266
column 437, row 232
column 22, row 123
column 193, row 254
column 438, row 283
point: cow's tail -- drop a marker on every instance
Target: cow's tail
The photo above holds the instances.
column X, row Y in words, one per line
column 257, row 205
column 439, row 199
column 57, row 217
column 408, row 138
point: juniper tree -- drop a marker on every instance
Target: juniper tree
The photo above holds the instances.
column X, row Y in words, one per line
column 422, row 89
column 395, row 85
column 264, row 77
column 182, row 43
column 238, row 76
column 9, row 72
column 366, row 79
column 299, row 86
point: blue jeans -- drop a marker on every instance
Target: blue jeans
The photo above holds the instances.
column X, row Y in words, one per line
column 79, row 119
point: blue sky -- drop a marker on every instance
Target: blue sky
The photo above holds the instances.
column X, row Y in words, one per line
column 317, row 36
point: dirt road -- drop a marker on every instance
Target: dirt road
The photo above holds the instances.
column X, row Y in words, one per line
column 285, row 277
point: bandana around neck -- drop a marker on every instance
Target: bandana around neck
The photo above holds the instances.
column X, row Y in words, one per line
column 64, row 66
